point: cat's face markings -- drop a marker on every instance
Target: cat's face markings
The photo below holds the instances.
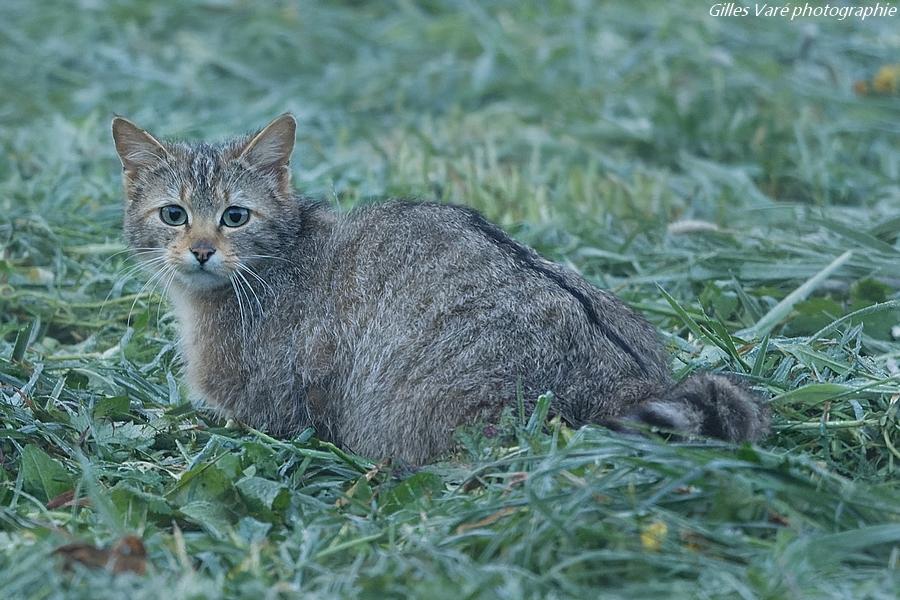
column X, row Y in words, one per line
column 211, row 210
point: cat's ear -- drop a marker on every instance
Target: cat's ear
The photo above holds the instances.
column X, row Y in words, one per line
column 271, row 148
column 137, row 149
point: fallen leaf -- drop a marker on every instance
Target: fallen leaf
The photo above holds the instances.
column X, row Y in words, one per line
column 694, row 542
column 516, row 479
column 127, row 555
column 65, row 500
column 778, row 519
column 488, row 520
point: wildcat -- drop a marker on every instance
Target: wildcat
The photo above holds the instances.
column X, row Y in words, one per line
column 387, row 327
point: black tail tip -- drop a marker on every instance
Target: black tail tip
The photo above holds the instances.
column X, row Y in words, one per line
column 718, row 406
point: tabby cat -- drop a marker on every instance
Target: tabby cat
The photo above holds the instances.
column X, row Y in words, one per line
column 387, row 327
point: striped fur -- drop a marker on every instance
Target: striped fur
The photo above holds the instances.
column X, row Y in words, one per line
column 389, row 327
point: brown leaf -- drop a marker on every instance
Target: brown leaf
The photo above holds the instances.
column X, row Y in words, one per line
column 85, row 554
column 778, row 519
column 127, row 555
column 488, row 520
column 694, row 541
column 66, row 499
column 472, row 484
column 516, row 479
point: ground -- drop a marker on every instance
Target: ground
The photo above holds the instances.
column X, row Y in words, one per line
column 735, row 179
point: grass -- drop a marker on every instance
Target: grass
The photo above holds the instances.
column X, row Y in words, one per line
column 719, row 174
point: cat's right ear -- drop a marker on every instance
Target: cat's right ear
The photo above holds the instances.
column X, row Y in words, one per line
column 271, row 148
column 137, row 149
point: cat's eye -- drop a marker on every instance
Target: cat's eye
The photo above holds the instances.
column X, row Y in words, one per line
column 173, row 215
column 235, row 216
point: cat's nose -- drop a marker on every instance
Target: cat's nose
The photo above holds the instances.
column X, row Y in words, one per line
column 202, row 251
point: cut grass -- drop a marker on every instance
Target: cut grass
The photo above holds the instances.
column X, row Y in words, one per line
column 587, row 129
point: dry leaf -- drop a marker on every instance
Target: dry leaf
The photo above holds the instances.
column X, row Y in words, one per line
column 778, row 519
column 488, row 520
column 65, row 500
column 128, row 555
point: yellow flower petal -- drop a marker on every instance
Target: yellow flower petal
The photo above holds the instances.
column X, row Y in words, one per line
column 653, row 534
column 887, row 79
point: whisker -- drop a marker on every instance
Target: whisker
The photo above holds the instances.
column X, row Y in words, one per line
column 271, row 257
column 163, row 297
column 240, row 304
column 153, row 280
column 139, row 250
column 241, row 282
column 247, row 269
column 126, row 274
column 143, row 263
column 252, row 291
column 133, row 268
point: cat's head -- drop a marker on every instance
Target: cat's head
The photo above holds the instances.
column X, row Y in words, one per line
column 206, row 213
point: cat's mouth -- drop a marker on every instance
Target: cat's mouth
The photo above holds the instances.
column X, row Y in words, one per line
column 203, row 276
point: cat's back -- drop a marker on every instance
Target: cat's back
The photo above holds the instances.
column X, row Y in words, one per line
column 408, row 257
column 410, row 275
column 435, row 254
column 387, row 241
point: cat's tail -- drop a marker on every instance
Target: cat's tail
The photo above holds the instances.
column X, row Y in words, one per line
column 704, row 404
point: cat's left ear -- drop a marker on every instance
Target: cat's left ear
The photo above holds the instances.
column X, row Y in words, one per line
column 271, row 148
